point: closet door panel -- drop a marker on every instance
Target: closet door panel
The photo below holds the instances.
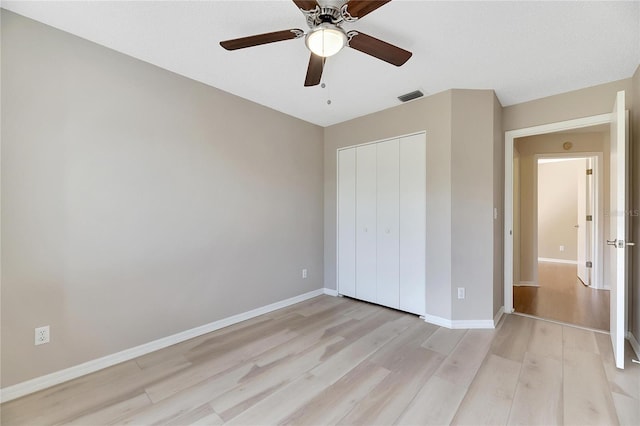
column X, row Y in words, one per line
column 347, row 222
column 366, row 222
column 388, row 217
column 412, row 223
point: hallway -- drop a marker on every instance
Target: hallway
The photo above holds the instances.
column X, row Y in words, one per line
column 562, row 297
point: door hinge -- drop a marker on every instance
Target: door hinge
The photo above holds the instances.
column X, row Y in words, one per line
column 589, row 264
column 589, row 218
column 589, row 171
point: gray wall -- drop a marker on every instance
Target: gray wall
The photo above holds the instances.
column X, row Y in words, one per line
column 460, row 192
column 137, row 203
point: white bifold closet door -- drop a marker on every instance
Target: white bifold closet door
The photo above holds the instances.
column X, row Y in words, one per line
column 347, row 222
column 413, row 226
column 382, row 222
column 366, row 222
column 388, row 218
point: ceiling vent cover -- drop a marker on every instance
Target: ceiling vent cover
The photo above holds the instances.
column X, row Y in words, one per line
column 410, row 96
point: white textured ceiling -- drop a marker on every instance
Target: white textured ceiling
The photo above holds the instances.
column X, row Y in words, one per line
column 523, row 50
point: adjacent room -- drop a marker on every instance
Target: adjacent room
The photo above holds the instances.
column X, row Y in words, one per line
column 319, row 212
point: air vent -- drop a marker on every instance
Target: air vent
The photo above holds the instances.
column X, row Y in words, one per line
column 410, row 96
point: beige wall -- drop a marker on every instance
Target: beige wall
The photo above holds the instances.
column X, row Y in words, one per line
column 137, row 203
column 565, row 106
column 634, row 297
column 558, row 208
column 528, row 148
column 472, row 203
column 460, row 133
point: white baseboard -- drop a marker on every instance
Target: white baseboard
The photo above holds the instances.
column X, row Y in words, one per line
column 455, row 324
column 551, row 260
column 330, row 292
column 634, row 344
column 52, row 379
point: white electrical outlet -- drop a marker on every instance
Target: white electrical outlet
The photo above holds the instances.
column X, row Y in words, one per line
column 42, row 335
column 460, row 292
column 561, row 248
column 304, row 273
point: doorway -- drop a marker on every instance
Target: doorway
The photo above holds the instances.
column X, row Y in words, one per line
column 618, row 225
column 558, row 226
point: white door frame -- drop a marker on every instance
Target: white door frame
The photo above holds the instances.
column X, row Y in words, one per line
column 598, row 222
column 509, row 137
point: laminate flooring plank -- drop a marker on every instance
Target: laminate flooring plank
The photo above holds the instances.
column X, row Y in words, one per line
column 393, row 355
column 289, row 398
column 463, row 363
column 512, row 338
column 189, row 399
column 624, row 382
column 307, row 337
column 359, row 310
column 202, row 412
column 113, row 413
column 255, row 387
column 586, row 394
column 538, row 396
column 488, row 400
column 546, row 339
column 210, row 420
column 25, row 408
column 280, row 404
column 388, row 400
column 577, row 339
column 355, row 330
column 444, row 340
column 71, row 401
column 435, row 404
column 318, row 304
column 340, row 363
column 168, row 414
column 183, row 348
column 336, row 400
column 221, row 342
column 204, row 368
column 627, row 408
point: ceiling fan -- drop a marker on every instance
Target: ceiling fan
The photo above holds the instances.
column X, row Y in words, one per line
column 326, row 36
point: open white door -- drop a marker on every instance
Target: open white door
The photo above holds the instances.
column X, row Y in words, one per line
column 618, row 228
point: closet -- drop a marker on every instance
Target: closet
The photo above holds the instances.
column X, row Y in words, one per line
column 382, row 222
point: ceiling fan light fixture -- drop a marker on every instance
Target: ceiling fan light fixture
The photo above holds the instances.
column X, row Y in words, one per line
column 326, row 40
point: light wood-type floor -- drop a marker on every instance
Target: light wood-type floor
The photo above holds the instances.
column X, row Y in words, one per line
column 562, row 297
column 333, row 360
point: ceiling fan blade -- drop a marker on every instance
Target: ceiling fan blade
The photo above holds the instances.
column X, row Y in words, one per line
column 256, row 40
column 314, row 71
column 359, row 8
column 379, row 49
column 306, row 4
